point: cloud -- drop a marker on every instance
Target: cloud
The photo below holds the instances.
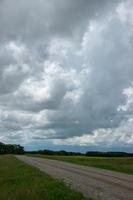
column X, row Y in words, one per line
column 124, row 11
column 120, row 136
column 34, row 20
column 66, row 71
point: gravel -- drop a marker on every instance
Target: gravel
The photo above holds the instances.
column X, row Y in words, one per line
column 96, row 183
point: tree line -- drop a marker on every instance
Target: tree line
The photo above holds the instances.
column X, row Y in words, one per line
column 18, row 149
column 108, row 154
column 88, row 153
column 11, row 149
column 58, row 153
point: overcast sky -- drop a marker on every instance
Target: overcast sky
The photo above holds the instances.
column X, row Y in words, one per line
column 66, row 74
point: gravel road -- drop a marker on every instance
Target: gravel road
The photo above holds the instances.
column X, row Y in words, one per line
column 96, row 183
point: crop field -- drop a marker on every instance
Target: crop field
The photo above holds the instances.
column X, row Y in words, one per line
column 119, row 164
column 19, row 181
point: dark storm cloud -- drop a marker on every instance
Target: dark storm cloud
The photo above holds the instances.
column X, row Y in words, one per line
column 35, row 19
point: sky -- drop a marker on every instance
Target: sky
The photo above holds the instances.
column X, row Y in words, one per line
column 66, row 74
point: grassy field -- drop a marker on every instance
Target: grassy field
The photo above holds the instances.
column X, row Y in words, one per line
column 19, row 181
column 123, row 164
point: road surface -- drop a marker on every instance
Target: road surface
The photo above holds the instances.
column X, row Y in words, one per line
column 96, row 183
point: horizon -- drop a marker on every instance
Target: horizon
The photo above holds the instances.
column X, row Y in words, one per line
column 75, row 149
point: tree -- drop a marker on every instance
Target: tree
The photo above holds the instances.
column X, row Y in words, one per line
column 11, row 149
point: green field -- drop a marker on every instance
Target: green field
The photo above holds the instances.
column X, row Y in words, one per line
column 123, row 164
column 19, row 181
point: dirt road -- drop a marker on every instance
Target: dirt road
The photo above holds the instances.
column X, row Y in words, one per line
column 96, row 183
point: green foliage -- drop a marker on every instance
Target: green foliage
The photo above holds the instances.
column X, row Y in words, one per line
column 19, row 181
column 11, row 149
column 88, row 153
column 59, row 153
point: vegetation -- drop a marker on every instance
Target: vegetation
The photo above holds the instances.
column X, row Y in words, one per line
column 59, row 153
column 89, row 153
column 19, row 181
column 108, row 154
column 120, row 164
column 11, row 149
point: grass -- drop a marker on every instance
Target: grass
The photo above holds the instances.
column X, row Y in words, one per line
column 19, row 181
column 119, row 164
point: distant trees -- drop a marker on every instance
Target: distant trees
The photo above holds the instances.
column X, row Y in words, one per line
column 11, row 149
column 58, row 153
column 107, row 154
column 88, row 153
column 18, row 149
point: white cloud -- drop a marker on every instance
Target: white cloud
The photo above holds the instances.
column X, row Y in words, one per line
column 125, row 11
column 128, row 92
column 120, row 136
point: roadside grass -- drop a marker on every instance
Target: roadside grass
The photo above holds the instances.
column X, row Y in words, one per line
column 19, row 181
column 119, row 164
